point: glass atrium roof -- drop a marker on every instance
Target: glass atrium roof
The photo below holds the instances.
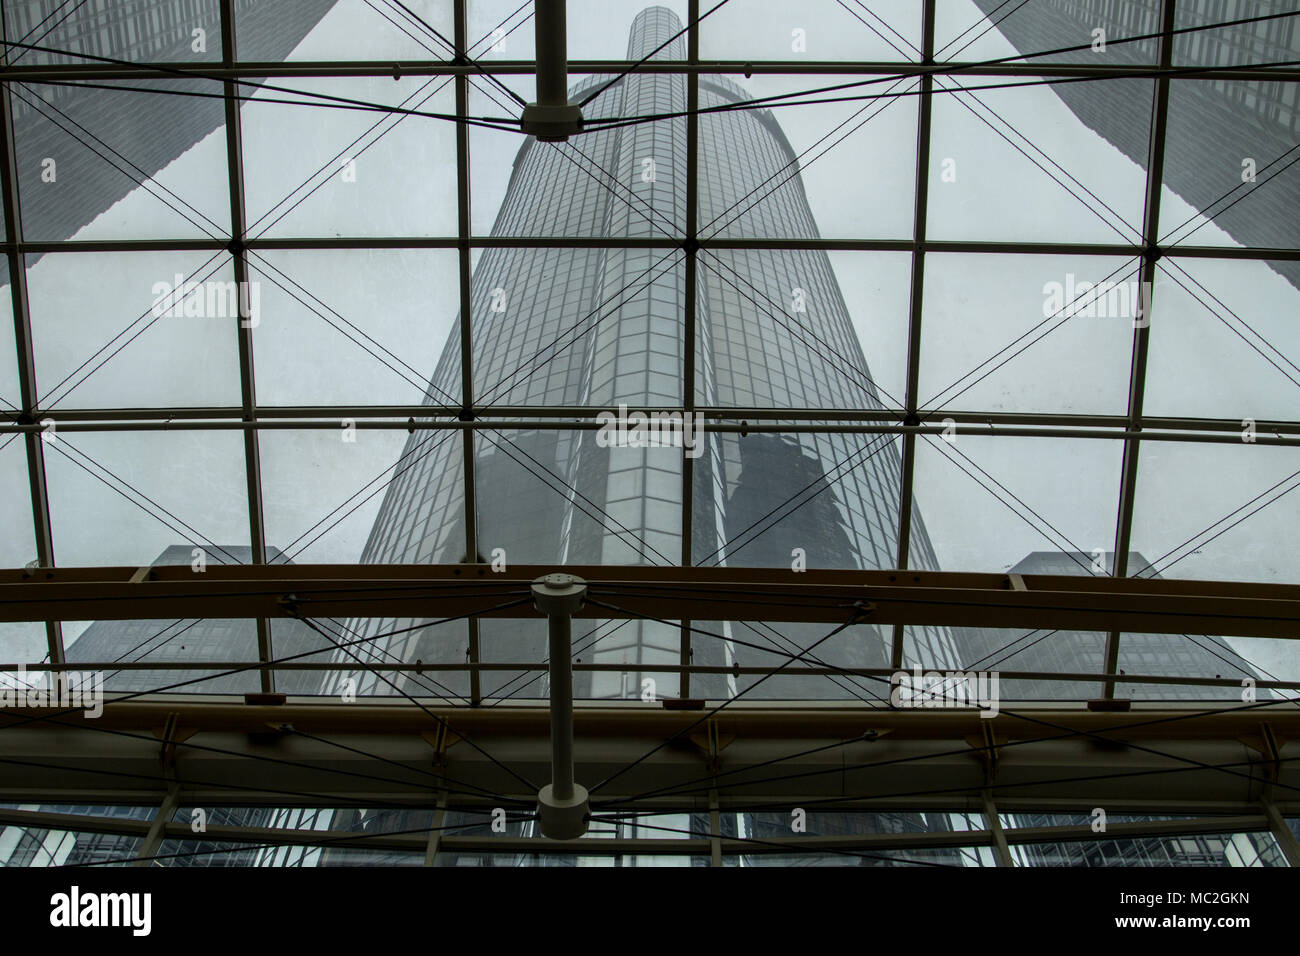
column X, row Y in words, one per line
column 935, row 286
column 1056, row 238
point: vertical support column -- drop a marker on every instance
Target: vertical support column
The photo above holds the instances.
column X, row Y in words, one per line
column 715, row 830
column 552, row 118
column 690, row 276
column 435, row 835
column 153, row 839
column 1000, row 848
column 911, row 417
column 1142, row 333
column 463, row 227
column 563, row 808
column 28, row 398
column 1286, row 839
column 247, row 381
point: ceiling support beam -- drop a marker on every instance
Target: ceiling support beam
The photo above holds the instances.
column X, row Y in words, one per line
column 1064, row 602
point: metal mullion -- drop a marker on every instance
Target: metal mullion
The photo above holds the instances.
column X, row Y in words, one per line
column 162, row 816
column 247, row 379
column 911, row 397
column 972, row 246
column 691, row 278
column 1282, row 833
column 26, row 359
column 435, row 834
column 993, row 826
column 252, row 70
column 531, row 666
column 464, row 229
column 1142, row 334
column 715, row 817
column 496, row 416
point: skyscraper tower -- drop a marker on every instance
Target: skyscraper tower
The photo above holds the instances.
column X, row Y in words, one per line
column 604, row 328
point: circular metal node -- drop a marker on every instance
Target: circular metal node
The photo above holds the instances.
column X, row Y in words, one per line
column 563, row 819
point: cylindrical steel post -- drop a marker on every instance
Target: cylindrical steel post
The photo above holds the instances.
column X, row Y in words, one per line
column 552, row 53
column 562, row 806
column 552, row 118
column 561, row 672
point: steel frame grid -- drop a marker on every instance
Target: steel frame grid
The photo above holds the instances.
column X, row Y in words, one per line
column 251, row 417
column 1207, row 811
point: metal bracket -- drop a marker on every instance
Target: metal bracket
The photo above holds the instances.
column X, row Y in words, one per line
column 712, row 742
column 441, row 741
column 171, row 734
column 986, row 750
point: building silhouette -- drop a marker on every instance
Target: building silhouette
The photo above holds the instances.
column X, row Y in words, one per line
column 91, row 132
column 1214, row 124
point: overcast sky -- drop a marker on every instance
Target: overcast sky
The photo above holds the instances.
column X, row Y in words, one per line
column 406, row 300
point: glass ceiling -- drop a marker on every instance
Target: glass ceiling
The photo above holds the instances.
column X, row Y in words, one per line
column 966, row 212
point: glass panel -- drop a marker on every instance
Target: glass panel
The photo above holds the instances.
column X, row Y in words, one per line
column 319, row 311
column 913, row 858
column 231, row 644
column 995, row 651
column 215, row 853
column 396, row 641
column 575, row 326
column 1223, row 344
column 126, row 498
column 1035, row 28
column 748, row 654
column 1216, row 512
column 612, row 659
column 1269, row 41
column 315, row 171
column 559, row 496
column 1194, row 655
column 599, row 29
column 757, row 172
column 622, row 181
column 1220, row 849
column 1061, row 818
column 998, row 503
column 1229, row 154
column 504, row 30
column 9, row 387
column 160, row 31
column 416, row 489
column 772, row 30
column 132, row 329
column 322, row 488
column 21, row 642
column 773, row 499
column 495, row 155
column 447, row 858
column 778, row 332
column 346, row 30
column 1070, row 178
column 18, row 540
column 1028, row 333
column 30, row 846
column 138, row 160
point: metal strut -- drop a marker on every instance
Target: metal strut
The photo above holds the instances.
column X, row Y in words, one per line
column 552, row 118
column 563, row 806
